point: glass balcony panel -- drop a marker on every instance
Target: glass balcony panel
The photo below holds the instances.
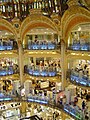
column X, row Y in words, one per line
column 42, row 46
column 83, row 80
column 79, row 47
column 41, row 71
column 8, row 46
column 8, row 71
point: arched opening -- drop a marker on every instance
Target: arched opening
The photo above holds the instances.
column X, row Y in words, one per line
column 41, row 39
column 79, row 45
column 79, row 38
column 35, row 21
column 7, row 40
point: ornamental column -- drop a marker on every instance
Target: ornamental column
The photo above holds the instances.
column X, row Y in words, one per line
column 21, row 67
column 23, row 108
column 63, row 64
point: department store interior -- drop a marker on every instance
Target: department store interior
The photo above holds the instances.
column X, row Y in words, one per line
column 44, row 60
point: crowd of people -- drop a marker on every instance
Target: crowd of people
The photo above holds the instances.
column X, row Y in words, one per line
column 50, row 65
column 43, row 44
column 7, row 67
column 8, row 44
column 83, row 68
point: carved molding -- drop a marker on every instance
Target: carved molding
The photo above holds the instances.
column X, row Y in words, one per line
column 74, row 22
column 72, row 17
column 5, row 25
column 36, row 21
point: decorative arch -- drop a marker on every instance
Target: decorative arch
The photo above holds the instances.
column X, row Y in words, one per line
column 73, row 16
column 35, row 21
column 5, row 25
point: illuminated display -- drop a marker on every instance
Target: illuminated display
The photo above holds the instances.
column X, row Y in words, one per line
column 42, row 47
column 6, row 72
column 43, row 73
column 38, row 100
column 4, row 98
column 83, row 81
column 80, row 47
column 72, row 111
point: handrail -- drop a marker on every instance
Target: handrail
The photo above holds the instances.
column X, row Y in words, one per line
column 41, row 71
column 70, row 110
column 8, row 71
column 79, row 47
column 79, row 79
column 42, row 47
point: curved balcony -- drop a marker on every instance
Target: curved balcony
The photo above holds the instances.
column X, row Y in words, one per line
column 5, row 71
column 42, row 100
column 41, row 71
column 77, row 113
column 79, row 47
column 73, row 111
column 5, row 97
column 42, row 46
column 8, row 45
column 79, row 79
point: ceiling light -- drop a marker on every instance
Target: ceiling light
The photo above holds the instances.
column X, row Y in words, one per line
column 30, row 52
column 72, row 53
column 79, row 29
column 82, row 54
column 53, row 53
column 10, row 53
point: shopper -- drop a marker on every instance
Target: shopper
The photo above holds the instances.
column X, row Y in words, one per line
column 83, row 105
column 54, row 116
column 86, row 116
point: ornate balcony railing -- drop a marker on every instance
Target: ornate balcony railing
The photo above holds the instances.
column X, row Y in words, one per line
column 42, row 71
column 8, row 71
column 42, row 46
column 79, row 79
column 77, row 114
column 79, row 47
column 9, row 45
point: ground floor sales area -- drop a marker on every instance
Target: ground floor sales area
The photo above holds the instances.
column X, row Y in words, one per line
column 12, row 111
